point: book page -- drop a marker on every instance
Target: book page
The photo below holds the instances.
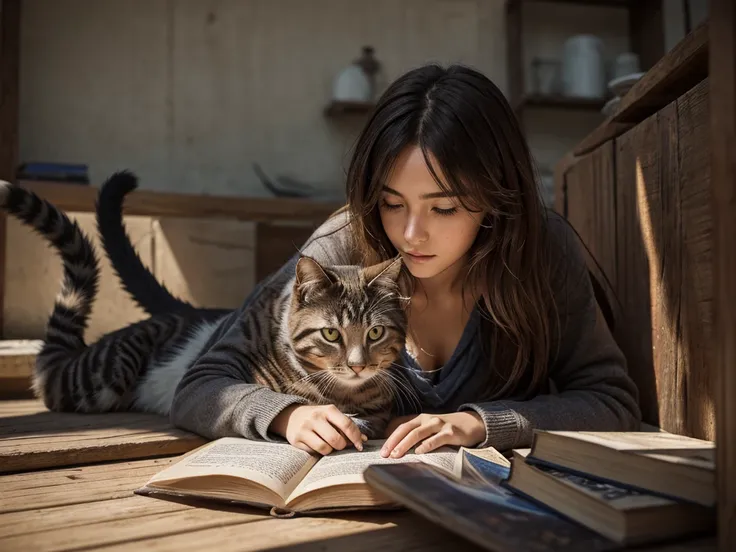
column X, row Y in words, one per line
column 342, row 467
column 278, row 466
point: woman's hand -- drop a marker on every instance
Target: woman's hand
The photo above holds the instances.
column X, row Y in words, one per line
column 320, row 429
column 433, row 430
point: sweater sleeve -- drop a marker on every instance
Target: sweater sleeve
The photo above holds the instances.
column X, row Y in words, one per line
column 594, row 391
column 216, row 397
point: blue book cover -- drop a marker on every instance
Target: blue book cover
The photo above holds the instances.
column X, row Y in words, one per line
column 487, row 514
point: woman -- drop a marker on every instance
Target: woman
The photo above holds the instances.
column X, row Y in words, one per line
column 501, row 302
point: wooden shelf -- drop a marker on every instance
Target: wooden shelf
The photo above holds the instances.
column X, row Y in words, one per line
column 560, row 102
column 683, row 67
column 339, row 108
column 80, row 198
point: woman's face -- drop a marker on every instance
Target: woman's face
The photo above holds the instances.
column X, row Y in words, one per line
column 431, row 231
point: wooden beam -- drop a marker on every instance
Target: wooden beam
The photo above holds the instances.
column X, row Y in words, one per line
column 9, row 61
column 81, row 198
column 9, row 101
column 514, row 52
column 723, row 159
column 647, row 31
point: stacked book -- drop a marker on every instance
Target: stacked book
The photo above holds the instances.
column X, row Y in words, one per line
column 572, row 491
column 634, row 487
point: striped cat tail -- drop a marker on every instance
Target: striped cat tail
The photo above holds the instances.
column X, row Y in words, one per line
column 135, row 277
column 140, row 283
column 68, row 321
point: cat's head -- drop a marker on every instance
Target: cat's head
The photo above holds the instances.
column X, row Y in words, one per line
column 347, row 320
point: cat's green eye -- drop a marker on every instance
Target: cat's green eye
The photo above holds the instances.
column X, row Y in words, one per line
column 375, row 333
column 330, row 334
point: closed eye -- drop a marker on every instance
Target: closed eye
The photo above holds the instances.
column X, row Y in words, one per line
column 391, row 206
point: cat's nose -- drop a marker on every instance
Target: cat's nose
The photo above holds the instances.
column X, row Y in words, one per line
column 357, row 369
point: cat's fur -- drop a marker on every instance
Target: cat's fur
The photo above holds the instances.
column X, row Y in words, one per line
column 315, row 337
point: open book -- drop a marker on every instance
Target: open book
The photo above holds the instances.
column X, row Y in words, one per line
column 280, row 476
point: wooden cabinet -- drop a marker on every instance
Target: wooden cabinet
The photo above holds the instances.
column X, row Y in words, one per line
column 641, row 202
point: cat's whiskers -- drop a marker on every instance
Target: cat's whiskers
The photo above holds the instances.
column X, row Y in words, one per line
column 307, row 379
column 404, row 388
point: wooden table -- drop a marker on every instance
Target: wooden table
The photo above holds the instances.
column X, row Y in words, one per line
column 72, row 483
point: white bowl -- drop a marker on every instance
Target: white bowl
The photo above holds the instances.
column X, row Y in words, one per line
column 621, row 85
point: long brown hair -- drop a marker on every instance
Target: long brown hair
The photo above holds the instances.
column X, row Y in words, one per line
column 461, row 120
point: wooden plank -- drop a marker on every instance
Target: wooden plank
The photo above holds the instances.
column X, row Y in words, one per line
column 128, row 532
column 9, row 107
column 592, row 209
column 664, row 258
column 682, row 68
column 76, row 197
column 31, row 439
column 696, row 313
column 209, row 263
column 661, row 222
column 723, row 140
column 677, row 72
column 25, row 522
column 32, row 491
column 634, row 332
column 396, row 531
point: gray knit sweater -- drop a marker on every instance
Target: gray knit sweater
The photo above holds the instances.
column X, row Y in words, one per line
column 591, row 389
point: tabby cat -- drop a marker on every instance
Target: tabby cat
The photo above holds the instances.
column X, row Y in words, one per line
column 328, row 334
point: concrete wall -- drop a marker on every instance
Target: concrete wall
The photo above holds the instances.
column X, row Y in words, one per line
column 189, row 93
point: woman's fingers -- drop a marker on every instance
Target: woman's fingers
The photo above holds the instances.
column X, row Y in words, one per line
column 435, row 441
column 346, row 426
column 316, row 443
column 398, row 435
column 409, row 434
column 327, row 432
column 426, row 428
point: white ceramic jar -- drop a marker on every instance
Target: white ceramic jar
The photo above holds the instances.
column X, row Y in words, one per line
column 583, row 67
column 351, row 85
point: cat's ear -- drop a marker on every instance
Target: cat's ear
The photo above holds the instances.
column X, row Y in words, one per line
column 310, row 276
column 387, row 270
